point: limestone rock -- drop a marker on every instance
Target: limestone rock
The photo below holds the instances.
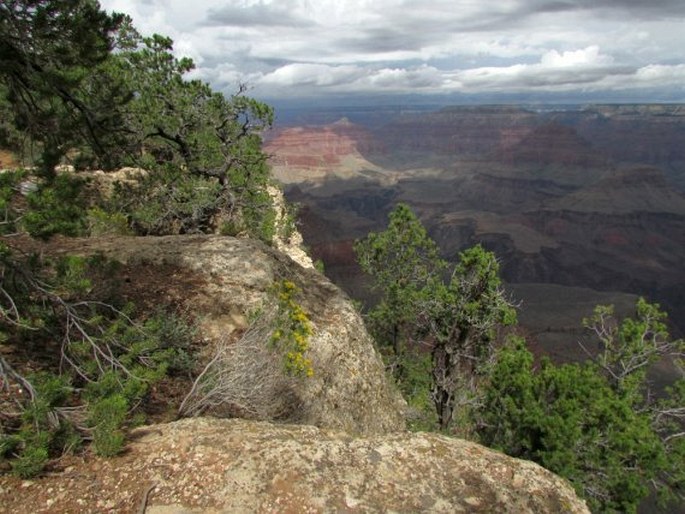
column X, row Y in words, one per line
column 293, row 246
column 349, row 389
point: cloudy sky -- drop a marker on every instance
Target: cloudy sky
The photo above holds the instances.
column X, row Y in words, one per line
column 317, row 49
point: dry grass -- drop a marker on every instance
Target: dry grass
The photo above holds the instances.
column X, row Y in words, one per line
column 246, row 379
column 7, row 159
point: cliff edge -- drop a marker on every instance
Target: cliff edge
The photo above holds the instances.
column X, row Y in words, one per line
column 348, row 452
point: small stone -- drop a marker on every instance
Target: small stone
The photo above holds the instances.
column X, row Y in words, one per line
column 351, row 502
column 473, row 501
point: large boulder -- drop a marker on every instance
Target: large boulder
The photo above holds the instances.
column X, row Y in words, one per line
column 216, row 465
column 223, row 281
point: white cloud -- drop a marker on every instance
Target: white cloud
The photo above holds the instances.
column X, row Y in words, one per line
column 584, row 57
column 303, row 74
column 655, row 75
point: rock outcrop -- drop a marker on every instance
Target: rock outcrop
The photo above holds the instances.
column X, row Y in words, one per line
column 221, row 466
column 349, row 454
column 233, row 278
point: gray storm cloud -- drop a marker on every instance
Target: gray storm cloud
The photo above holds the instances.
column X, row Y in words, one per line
column 291, row 48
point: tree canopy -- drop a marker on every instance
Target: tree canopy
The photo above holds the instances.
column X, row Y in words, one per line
column 51, row 53
column 456, row 316
column 614, row 442
column 402, row 260
column 83, row 87
column 597, row 423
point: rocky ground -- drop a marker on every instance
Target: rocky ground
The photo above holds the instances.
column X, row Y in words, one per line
column 236, row 466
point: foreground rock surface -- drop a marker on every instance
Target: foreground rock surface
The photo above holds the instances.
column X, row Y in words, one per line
column 221, row 466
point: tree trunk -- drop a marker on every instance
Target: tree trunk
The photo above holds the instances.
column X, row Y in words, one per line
column 442, row 394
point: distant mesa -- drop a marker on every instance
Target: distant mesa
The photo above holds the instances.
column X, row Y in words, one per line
column 313, row 153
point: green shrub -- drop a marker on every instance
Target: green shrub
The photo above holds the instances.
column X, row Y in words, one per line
column 231, row 228
column 31, row 461
column 414, row 381
column 8, row 445
column 9, row 185
column 173, row 337
column 108, row 361
column 168, row 200
column 107, row 416
column 43, row 432
column 103, row 223
column 57, row 207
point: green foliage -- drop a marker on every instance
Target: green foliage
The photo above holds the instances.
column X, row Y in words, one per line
column 70, row 277
column 292, row 331
column 631, row 346
column 597, row 424
column 504, row 416
column 32, row 460
column 106, row 362
column 463, row 317
column 401, row 260
column 48, row 53
column 42, row 432
column 595, row 428
column 9, row 185
column 57, row 207
column 170, row 336
column 102, row 223
column 169, row 201
column 415, row 385
column 89, row 87
column 287, row 221
column 320, row 266
column 107, row 414
column 460, row 318
column 182, row 127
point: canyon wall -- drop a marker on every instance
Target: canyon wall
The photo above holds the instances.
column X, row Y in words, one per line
column 591, row 198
